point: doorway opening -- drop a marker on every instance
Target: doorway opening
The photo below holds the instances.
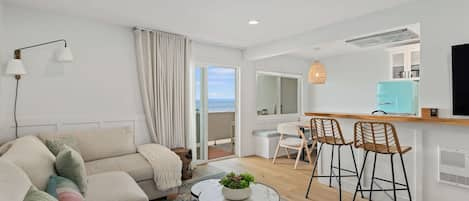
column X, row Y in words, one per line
column 215, row 111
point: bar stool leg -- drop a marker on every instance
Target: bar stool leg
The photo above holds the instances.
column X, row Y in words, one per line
column 373, row 176
column 332, row 165
column 356, row 170
column 361, row 174
column 393, row 178
column 314, row 169
column 340, row 170
column 405, row 176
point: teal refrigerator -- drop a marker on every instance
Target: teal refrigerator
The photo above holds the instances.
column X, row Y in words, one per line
column 398, row 97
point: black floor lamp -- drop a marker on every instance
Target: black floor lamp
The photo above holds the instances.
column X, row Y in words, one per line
column 16, row 67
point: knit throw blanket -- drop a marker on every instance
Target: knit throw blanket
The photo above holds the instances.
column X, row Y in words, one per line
column 166, row 165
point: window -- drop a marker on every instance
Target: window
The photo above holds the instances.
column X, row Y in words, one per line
column 278, row 94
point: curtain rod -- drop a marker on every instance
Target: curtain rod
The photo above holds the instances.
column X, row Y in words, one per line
column 155, row 30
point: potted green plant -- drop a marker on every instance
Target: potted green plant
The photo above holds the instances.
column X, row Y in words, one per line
column 236, row 187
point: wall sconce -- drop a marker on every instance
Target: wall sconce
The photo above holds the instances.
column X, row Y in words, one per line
column 16, row 67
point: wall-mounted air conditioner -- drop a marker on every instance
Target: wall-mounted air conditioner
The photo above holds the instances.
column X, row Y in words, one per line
column 453, row 167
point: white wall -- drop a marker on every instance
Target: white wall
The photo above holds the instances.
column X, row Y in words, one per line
column 351, row 82
column 99, row 86
column 443, row 25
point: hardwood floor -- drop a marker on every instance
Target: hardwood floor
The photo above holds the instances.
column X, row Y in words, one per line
column 290, row 183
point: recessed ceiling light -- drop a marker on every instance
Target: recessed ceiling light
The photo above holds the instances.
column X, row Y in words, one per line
column 253, row 22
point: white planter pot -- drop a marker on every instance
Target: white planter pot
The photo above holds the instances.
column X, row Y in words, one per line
column 236, row 194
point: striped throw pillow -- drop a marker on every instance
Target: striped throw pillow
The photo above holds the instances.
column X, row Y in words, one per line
column 64, row 189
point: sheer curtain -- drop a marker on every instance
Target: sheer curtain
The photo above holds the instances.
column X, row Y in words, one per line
column 163, row 60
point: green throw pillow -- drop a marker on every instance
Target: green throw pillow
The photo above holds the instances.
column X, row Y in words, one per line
column 58, row 144
column 70, row 164
column 36, row 195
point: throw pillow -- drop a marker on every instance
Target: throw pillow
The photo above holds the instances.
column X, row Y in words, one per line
column 57, row 144
column 64, row 189
column 36, row 195
column 52, row 186
column 70, row 164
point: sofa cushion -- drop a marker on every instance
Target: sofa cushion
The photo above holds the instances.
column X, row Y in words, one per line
column 134, row 164
column 31, row 155
column 114, row 186
column 70, row 164
column 36, row 195
column 100, row 143
column 14, row 183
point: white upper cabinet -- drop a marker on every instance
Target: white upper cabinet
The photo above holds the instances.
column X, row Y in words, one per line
column 405, row 62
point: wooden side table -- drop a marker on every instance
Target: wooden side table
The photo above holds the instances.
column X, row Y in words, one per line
column 186, row 158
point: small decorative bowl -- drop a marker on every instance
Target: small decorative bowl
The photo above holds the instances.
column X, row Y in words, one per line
column 236, row 194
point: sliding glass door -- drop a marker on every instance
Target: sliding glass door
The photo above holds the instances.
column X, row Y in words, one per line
column 215, row 112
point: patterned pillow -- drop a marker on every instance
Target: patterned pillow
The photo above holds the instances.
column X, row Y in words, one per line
column 36, row 195
column 58, row 144
column 70, row 164
column 64, row 189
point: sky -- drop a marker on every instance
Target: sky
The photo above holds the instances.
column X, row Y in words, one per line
column 221, row 83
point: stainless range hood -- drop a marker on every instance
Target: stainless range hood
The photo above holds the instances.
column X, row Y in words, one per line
column 391, row 37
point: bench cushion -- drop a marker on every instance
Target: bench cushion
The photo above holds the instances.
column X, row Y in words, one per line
column 114, row 186
column 266, row 133
column 134, row 164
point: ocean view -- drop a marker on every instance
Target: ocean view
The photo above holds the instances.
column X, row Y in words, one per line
column 218, row 105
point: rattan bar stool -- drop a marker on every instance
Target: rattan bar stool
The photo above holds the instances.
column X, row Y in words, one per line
column 328, row 131
column 380, row 138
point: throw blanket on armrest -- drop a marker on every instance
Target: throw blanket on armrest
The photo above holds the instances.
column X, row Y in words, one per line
column 166, row 165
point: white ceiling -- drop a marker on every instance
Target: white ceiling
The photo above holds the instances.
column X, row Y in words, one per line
column 222, row 22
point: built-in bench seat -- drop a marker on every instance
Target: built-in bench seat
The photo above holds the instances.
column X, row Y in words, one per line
column 266, row 141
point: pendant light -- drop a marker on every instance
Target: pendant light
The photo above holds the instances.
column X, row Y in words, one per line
column 317, row 73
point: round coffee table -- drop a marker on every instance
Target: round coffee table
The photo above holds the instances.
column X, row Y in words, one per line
column 210, row 190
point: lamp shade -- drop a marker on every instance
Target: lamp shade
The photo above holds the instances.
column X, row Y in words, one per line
column 15, row 67
column 317, row 73
column 65, row 55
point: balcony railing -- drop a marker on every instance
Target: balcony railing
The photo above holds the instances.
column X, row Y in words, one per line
column 221, row 125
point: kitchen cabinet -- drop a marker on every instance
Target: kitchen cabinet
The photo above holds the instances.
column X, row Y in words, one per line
column 405, row 62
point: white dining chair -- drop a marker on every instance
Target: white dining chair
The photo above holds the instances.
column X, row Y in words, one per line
column 292, row 137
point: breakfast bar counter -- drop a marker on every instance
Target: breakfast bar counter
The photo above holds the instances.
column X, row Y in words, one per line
column 428, row 137
column 392, row 118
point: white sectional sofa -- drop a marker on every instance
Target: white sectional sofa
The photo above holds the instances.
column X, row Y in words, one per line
column 116, row 172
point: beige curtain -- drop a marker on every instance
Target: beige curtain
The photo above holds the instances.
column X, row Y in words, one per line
column 163, row 60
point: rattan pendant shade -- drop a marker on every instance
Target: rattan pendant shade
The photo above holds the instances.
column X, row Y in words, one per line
column 317, row 73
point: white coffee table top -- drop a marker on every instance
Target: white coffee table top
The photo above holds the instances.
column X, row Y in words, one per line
column 210, row 190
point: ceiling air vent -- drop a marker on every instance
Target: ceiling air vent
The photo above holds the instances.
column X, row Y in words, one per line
column 390, row 37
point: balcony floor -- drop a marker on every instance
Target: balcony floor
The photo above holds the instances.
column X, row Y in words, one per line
column 222, row 148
